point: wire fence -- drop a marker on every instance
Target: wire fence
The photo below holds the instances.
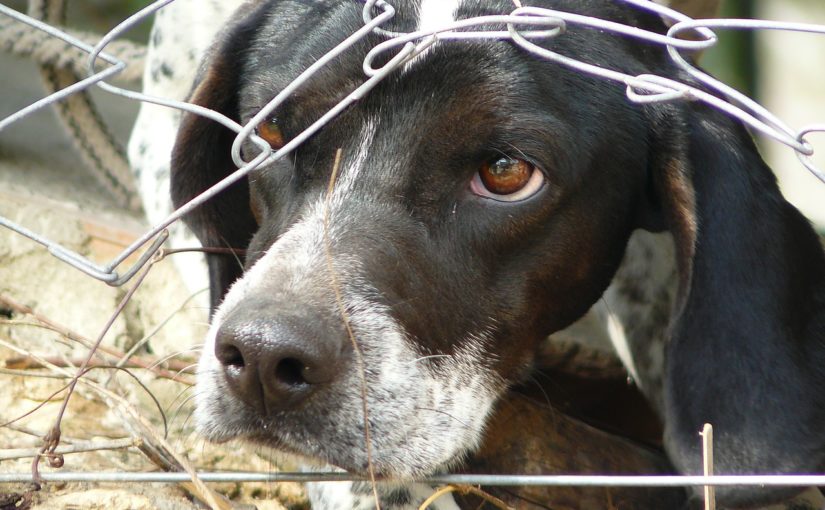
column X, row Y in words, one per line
column 544, row 23
column 459, row 479
column 526, row 27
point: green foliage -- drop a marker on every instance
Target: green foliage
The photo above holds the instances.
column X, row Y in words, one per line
column 733, row 60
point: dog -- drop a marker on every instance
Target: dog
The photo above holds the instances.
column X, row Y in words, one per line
column 448, row 288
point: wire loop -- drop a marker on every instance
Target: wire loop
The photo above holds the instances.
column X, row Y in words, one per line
column 529, row 28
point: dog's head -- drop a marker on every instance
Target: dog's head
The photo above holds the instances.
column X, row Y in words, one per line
column 483, row 200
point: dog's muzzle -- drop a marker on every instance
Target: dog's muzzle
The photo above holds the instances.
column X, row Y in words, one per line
column 291, row 363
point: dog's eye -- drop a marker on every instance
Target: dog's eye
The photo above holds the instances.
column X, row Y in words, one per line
column 507, row 180
column 269, row 131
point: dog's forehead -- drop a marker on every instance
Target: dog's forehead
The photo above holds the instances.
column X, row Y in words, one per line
column 462, row 74
column 457, row 100
column 291, row 36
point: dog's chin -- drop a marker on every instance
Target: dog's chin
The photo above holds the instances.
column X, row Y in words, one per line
column 357, row 461
column 398, row 463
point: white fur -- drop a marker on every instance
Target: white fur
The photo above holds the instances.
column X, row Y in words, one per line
column 354, row 165
column 433, row 15
column 342, row 495
column 619, row 339
column 437, row 14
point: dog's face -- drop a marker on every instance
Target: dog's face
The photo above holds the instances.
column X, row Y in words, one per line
column 449, row 246
column 483, row 200
column 458, row 234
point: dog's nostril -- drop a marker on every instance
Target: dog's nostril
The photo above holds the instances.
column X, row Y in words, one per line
column 275, row 364
column 290, row 371
column 229, row 356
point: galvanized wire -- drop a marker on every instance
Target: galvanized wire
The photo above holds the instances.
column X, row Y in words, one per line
column 524, row 27
column 470, row 479
column 553, row 23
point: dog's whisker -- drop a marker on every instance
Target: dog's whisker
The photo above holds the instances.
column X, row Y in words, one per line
column 180, row 407
column 170, row 356
column 541, row 389
column 186, row 369
column 185, row 424
column 517, row 150
column 232, row 252
column 181, row 393
column 431, row 356
column 445, row 413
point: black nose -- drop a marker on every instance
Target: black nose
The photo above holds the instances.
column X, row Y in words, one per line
column 275, row 363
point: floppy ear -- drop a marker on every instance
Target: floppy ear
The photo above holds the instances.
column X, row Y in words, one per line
column 201, row 157
column 747, row 345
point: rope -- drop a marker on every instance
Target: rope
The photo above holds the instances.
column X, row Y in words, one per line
column 62, row 65
column 28, row 42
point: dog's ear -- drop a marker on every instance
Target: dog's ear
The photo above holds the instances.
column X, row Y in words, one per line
column 201, row 157
column 747, row 345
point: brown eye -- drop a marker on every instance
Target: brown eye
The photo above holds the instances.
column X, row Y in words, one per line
column 507, row 180
column 506, row 175
column 269, row 131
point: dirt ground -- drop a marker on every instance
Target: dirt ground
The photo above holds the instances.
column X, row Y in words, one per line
column 69, row 300
column 45, row 188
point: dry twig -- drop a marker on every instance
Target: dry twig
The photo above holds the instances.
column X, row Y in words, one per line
column 339, row 300
column 28, row 362
column 85, row 446
column 464, row 490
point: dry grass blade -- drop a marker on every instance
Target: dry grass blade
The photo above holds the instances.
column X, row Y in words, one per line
column 158, row 450
column 707, row 460
column 20, row 308
column 464, row 489
column 28, row 363
column 130, row 354
column 339, row 300
column 146, row 362
column 149, row 442
column 52, row 438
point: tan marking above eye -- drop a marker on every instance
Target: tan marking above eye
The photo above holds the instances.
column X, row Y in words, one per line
column 271, row 132
column 505, row 176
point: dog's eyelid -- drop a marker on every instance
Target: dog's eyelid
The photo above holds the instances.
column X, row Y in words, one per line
column 525, row 180
column 511, row 151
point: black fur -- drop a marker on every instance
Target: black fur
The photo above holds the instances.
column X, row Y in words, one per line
column 748, row 336
column 748, row 342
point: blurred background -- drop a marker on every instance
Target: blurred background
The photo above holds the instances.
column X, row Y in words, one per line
column 786, row 73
